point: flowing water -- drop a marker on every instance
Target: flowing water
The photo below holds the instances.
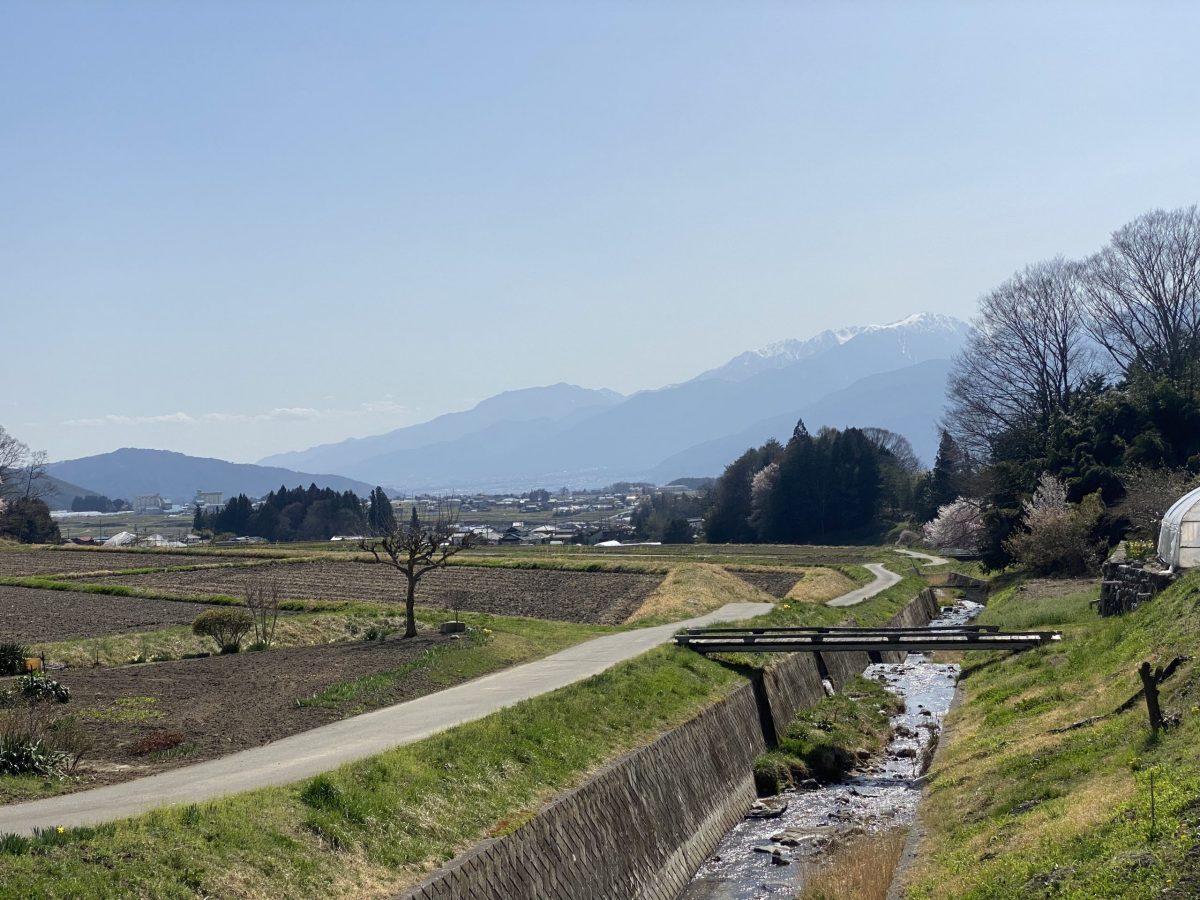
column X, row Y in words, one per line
column 768, row 857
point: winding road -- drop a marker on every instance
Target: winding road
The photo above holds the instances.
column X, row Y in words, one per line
column 884, row 579
column 930, row 560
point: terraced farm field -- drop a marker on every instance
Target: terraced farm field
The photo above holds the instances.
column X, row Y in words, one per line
column 605, row 598
column 727, row 554
column 16, row 563
column 29, row 615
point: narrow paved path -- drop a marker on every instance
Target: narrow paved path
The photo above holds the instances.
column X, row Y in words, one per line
column 321, row 749
column 884, row 579
column 929, row 559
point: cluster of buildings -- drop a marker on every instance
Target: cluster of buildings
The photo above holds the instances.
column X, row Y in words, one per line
column 517, row 534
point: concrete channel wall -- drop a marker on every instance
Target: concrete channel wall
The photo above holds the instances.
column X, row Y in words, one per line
column 641, row 826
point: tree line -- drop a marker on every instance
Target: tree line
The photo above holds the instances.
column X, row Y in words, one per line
column 1077, row 398
column 299, row 514
column 98, row 503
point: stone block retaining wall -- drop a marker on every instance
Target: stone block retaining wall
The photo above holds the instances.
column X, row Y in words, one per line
column 641, row 826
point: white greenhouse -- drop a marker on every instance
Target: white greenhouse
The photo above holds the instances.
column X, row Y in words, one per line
column 1179, row 537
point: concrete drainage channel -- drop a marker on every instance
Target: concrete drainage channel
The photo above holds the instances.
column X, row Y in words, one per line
column 772, row 850
column 642, row 825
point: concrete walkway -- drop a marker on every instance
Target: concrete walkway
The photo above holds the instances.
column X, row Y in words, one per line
column 929, row 559
column 884, row 579
column 321, row 749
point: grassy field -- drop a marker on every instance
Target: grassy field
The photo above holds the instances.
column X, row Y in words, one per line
column 371, row 827
column 1020, row 805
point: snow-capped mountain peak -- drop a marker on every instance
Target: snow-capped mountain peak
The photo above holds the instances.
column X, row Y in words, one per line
column 936, row 333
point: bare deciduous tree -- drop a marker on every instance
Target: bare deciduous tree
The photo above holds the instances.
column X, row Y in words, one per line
column 414, row 549
column 1026, row 358
column 22, row 471
column 1149, row 493
column 1143, row 294
column 895, row 444
column 263, row 602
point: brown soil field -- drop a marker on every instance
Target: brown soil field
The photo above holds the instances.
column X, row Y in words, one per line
column 221, row 704
column 777, row 584
column 18, row 563
column 605, row 598
column 33, row 616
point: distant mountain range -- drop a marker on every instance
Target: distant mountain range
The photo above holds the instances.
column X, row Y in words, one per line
column 129, row 472
column 529, row 408
column 889, row 375
column 892, row 376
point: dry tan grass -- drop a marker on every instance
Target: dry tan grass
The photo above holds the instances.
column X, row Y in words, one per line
column 692, row 589
column 860, row 869
column 819, row 585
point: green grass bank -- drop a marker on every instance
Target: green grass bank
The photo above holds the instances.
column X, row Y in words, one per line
column 1023, row 805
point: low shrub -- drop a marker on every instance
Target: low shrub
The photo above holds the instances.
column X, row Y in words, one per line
column 377, row 632
column 22, row 755
column 37, row 688
column 32, row 742
column 227, row 627
column 12, row 658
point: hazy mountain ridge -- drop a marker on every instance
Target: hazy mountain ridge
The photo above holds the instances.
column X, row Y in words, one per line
column 551, row 402
column 130, row 471
column 636, row 436
column 889, row 375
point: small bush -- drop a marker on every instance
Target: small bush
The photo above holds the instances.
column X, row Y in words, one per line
column 1057, row 540
column 37, row 688
column 377, row 632
column 69, row 737
column 23, row 753
column 226, row 627
column 12, row 658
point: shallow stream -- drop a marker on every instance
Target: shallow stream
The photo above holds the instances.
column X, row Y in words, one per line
column 769, row 857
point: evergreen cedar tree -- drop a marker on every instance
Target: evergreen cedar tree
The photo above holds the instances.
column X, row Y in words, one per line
column 381, row 518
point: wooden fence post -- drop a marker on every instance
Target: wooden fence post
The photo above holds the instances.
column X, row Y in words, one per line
column 1150, row 685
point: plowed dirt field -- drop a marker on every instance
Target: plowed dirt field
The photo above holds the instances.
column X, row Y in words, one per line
column 598, row 597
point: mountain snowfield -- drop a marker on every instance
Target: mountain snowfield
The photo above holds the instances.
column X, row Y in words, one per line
column 917, row 328
column 890, row 375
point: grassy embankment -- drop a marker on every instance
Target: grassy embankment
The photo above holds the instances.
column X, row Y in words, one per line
column 1019, row 807
column 370, row 827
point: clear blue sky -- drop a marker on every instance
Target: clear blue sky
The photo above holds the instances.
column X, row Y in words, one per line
column 238, row 228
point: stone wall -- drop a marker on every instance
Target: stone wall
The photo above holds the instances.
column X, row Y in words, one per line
column 641, row 826
column 1127, row 584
